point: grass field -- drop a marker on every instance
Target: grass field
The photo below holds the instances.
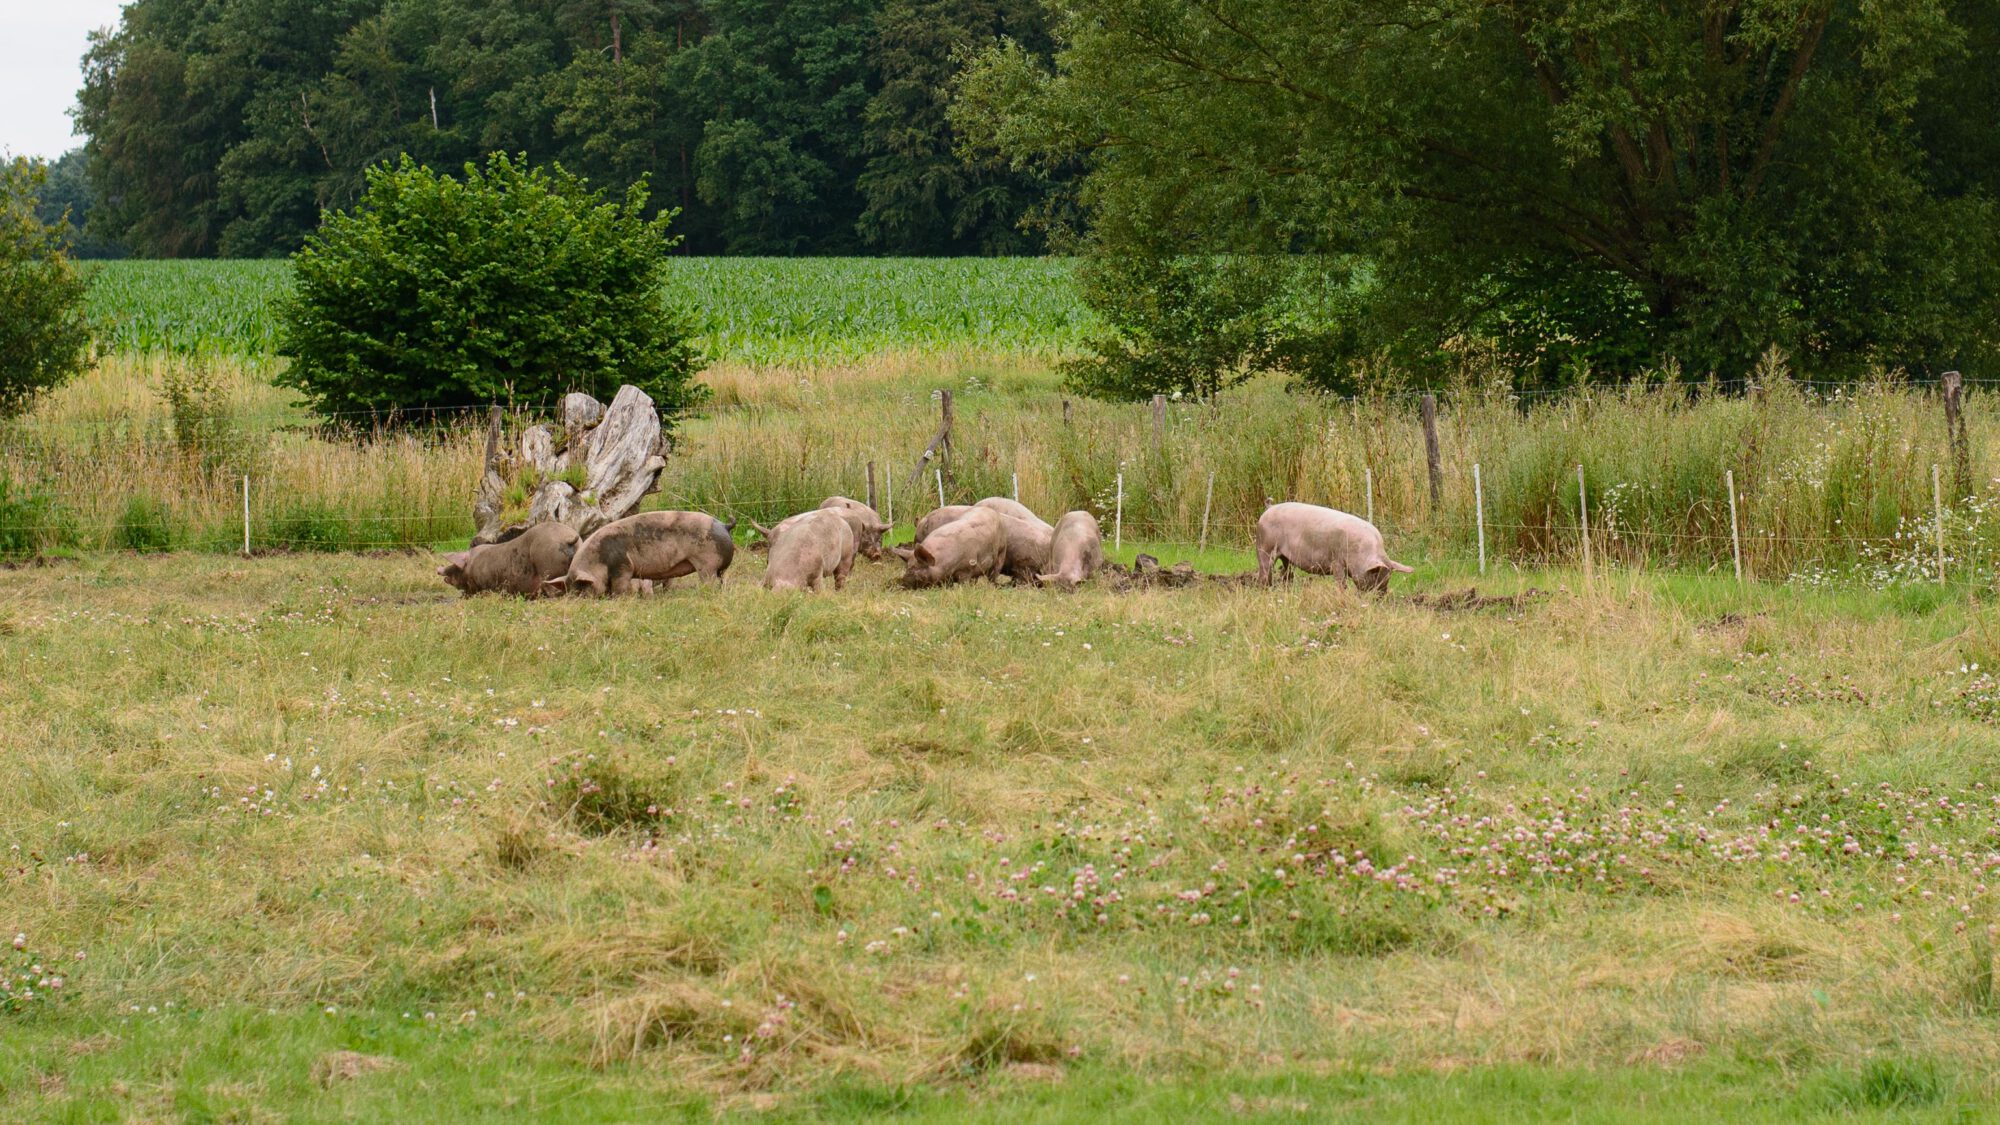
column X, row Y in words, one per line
column 1645, row 848
column 748, row 310
column 305, row 837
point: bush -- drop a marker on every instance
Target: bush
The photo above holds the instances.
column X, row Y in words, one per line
column 1191, row 326
column 514, row 284
column 194, row 397
column 32, row 521
column 309, row 526
column 44, row 338
column 145, row 527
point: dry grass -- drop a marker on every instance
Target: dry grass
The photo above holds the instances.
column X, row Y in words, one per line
column 325, row 789
column 1831, row 487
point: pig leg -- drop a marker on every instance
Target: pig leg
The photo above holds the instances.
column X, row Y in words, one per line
column 1264, row 556
column 840, row 573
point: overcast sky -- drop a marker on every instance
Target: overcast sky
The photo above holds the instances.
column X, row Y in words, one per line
column 41, row 65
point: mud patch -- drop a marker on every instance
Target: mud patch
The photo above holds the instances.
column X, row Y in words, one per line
column 1146, row 573
column 1455, row 601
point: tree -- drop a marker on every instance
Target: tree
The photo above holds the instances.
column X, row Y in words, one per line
column 510, row 284
column 64, row 203
column 1596, row 182
column 921, row 195
column 44, row 338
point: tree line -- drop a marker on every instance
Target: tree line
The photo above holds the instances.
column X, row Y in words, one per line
column 226, row 127
column 1342, row 190
column 1593, row 188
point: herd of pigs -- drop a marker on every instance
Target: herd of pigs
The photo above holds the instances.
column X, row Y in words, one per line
column 959, row 543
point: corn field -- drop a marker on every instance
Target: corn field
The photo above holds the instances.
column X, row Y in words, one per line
column 747, row 310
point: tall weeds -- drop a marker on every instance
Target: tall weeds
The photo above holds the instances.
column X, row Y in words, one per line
column 1826, row 479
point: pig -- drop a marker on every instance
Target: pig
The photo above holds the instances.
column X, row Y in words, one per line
column 1075, row 551
column 1323, row 541
column 1027, row 547
column 1014, row 508
column 808, row 547
column 937, row 519
column 970, row 547
column 655, row 546
column 864, row 521
column 514, row 566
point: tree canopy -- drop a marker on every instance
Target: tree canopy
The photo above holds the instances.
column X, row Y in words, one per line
column 1594, row 184
column 226, row 127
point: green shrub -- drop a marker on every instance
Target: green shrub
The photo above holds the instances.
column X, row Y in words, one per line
column 513, row 284
column 194, row 397
column 44, row 338
column 145, row 526
column 308, row 526
column 32, row 521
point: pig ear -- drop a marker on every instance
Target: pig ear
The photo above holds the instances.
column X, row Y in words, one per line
column 556, row 585
column 924, row 556
column 449, row 571
column 903, row 553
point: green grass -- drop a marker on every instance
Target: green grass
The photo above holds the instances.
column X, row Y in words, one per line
column 219, row 1065
column 608, row 844
column 749, row 310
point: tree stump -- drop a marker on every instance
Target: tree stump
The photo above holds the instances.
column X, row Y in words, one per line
column 597, row 469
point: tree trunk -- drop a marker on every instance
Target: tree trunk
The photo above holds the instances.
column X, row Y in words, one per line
column 615, row 451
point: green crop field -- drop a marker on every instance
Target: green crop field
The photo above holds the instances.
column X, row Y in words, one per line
column 750, row 310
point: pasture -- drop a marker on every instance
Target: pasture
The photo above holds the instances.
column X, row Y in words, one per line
column 1658, row 843
column 304, row 836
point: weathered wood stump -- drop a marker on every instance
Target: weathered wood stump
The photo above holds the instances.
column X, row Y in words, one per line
column 595, row 469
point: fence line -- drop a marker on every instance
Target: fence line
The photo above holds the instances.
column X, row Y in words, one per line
column 307, row 417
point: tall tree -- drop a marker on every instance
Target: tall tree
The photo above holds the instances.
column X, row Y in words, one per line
column 230, row 126
column 922, row 196
column 1611, row 180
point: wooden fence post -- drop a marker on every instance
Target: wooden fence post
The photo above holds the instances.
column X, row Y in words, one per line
column 1159, row 425
column 1735, row 536
column 1954, row 428
column 246, row 516
column 1118, row 523
column 492, row 440
column 1583, row 517
column 1368, row 486
column 1065, row 412
column 939, row 473
column 1479, row 514
column 940, row 446
column 1937, row 513
column 871, row 487
column 1206, row 505
column 1431, row 456
column 1017, row 488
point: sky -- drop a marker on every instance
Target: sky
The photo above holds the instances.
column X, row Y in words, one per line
column 41, row 65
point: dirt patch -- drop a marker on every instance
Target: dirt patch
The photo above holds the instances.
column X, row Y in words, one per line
column 345, row 1066
column 1667, row 1052
column 1455, row 601
column 34, row 562
column 1146, row 573
column 1728, row 621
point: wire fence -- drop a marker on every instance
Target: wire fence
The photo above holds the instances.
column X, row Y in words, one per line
column 1915, row 557
column 1157, row 499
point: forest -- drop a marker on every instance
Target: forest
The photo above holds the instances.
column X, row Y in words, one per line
column 224, row 127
